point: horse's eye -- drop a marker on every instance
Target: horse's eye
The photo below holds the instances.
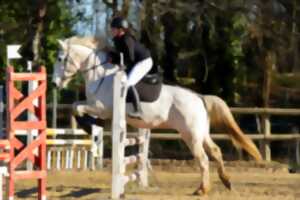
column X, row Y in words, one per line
column 61, row 59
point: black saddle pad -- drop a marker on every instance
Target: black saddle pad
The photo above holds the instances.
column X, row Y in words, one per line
column 148, row 88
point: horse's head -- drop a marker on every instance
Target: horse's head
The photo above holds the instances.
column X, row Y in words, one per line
column 75, row 55
column 67, row 64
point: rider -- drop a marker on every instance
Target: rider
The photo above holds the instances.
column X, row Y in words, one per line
column 137, row 58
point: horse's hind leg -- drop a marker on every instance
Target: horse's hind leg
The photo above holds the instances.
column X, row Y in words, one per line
column 215, row 152
column 200, row 155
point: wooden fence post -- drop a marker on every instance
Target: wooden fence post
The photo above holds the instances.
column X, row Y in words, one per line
column 297, row 148
column 73, row 122
column 266, row 126
column 1, row 110
column 54, row 108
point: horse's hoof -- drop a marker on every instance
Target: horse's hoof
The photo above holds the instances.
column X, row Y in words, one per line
column 122, row 196
column 201, row 191
column 226, row 182
column 198, row 193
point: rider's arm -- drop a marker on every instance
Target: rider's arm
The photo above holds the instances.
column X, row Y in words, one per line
column 113, row 55
column 130, row 45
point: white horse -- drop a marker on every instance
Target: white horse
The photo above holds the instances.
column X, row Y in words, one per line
column 176, row 108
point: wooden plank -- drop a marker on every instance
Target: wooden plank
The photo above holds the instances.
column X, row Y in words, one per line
column 30, row 174
column 55, row 132
column 28, row 76
column 68, row 142
column 266, row 111
column 235, row 110
column 60, row 131
column 5, row 144
column 5, row 157
column 174, row 136
column 29, row 125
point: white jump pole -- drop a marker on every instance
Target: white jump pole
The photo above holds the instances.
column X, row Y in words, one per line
column 143, row 151
column 3, row 174
column 97, row 146
column 118, row 134
column 32, row 85
column 120, row 141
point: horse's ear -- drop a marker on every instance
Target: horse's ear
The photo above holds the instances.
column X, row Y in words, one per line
column 62, row 44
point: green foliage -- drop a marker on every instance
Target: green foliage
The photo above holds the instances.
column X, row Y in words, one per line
column 287, row 80
column 222, row 47
column 18, row 22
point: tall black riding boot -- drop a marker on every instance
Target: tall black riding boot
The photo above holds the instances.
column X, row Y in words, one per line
column 137, row 111
column 86, row 121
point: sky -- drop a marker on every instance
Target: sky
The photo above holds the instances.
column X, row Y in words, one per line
column 97, row 21
column 96, row 13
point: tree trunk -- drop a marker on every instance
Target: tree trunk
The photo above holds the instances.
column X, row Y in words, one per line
column 170, row 49
column 294, row 40
column 112, row 4
column 268, row 64
column 41, row 12
column 125, row 8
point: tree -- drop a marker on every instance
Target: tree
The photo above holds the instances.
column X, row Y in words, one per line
column 36, row 27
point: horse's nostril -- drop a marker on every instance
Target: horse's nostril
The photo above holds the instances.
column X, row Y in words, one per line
column 54, row 85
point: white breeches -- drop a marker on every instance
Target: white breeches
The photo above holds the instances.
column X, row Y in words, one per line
column 139, row 70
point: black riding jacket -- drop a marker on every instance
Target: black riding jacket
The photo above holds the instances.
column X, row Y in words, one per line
column 132, row 50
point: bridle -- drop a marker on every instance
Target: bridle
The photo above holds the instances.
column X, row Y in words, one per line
column 68, row 59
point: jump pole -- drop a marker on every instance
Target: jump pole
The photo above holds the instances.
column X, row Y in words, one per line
column 120, row 141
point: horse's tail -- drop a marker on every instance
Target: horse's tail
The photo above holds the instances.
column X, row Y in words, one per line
column 221, row 117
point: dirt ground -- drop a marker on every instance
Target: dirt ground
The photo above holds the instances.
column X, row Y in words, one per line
column 250, row 181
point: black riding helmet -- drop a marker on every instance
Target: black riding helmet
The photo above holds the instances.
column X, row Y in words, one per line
column 119, row 22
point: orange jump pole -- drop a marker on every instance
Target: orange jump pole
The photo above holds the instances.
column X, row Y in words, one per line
column 36, row 150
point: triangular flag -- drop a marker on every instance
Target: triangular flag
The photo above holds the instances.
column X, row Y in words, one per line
column 12, row 51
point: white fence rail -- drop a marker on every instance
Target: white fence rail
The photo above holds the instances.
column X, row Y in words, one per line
column 73, row 153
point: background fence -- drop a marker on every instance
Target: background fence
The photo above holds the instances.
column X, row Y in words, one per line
column 264, row 133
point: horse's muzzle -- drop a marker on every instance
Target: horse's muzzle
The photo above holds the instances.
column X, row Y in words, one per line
column 56, row 82
column 54, row 85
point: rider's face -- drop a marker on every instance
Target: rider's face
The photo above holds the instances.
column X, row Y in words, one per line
column 116, row 32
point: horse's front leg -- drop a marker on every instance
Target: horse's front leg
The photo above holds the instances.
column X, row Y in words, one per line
column 86, row 115
column 80, row 108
